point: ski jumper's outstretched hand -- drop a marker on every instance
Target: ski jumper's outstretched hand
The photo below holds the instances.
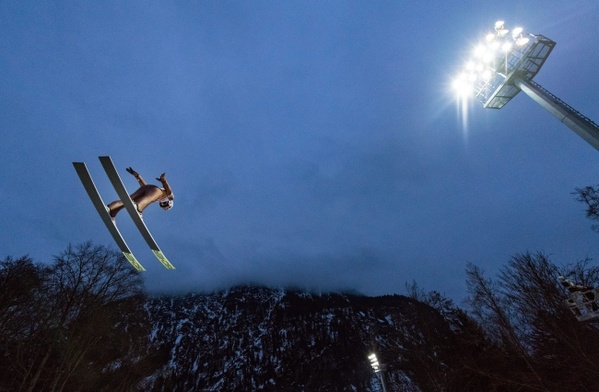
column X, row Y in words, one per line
column 165, row 184
column 136, row 175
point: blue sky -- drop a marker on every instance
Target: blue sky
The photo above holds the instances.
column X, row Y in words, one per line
column 309, row 144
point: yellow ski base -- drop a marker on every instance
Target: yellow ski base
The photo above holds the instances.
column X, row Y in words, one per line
column 131, row 259
column 162, row 258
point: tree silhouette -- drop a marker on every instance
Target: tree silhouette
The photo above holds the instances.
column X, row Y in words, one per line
column 525, row 313
column 73, row 323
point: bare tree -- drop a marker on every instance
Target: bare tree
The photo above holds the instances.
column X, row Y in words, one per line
column 84, row 320
column 20, row 280
column 500, row 318
column 525, row 311
column 589, row 195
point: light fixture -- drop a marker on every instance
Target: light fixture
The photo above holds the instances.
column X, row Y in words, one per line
column 522, row 41
column 517, row 32
column 374, row 363
column 500, row 28
column 496, row 76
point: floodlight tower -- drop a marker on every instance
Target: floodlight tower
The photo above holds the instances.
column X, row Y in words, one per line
column 378, row 369
column 505, row 64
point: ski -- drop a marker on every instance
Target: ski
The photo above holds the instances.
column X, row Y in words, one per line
column 121, row 191
column 97, row 201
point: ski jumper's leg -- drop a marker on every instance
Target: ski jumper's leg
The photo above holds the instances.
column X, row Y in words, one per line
column 118, row 205
column 115, row 207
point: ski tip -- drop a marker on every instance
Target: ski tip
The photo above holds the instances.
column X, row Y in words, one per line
column 162, row 258
column 131, row 259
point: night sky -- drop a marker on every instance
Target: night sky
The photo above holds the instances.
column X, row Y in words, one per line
column 314, row 144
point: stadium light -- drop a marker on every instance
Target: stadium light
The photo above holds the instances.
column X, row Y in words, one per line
column 505, row 64
column 374, row 362
column 378, row 369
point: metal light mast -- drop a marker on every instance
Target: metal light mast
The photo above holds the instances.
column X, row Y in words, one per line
column 378, row 369
column 505, row 64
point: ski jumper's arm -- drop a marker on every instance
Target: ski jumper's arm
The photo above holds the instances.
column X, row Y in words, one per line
column 167, row 187
column 137, row 176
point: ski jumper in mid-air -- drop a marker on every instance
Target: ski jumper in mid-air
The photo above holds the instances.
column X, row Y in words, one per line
column 146, row 195
column 134, row 204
